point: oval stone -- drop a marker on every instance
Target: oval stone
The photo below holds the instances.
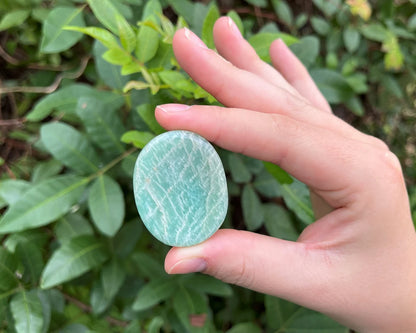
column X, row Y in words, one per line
column 180, row 188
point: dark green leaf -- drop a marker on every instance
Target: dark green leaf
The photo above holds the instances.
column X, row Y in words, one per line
column 148, row 266
column 320, row 25
column 155, row 325
column 333, row 85
column 70, row 147
column 267, row 185
column 212, row 16
column 283, row 11
column 30, row 256
column 239, row 172
column 147, row 113
column 126, row 239
column 54, row 38
column 278, row 222
column 13, row 18
column 154, row 292
column 296, row 196
column 103, row 124
column 112, row 277
column 329, row 8
column 43, row 203
column 106, row 205
column 352, row 38
column 375, row 32
column 8, row 266
column 72, row 225
column 252, row 208
column 26, row 310
column 72, row 259
column 45, row 170
column 307, row 50
column 36, row 236
column 209, row 285
column 245, row 328
column 99, row 301
column 137, row 138
column 258, row 3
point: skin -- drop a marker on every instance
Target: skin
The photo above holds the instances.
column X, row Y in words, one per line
column 356, row 263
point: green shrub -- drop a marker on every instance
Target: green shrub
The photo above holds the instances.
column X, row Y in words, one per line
column 75, row 256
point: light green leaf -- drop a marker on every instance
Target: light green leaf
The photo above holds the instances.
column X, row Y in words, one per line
column 8, row 266
column 54, row 38
column 351, row 38
column 12, row 189
column 37, row 236
column 106, row 13
column 188, row 303
column 297, row 198
column 26, row 310
column 147, row 42
column 147, row 113
column 126, row 34
column 72, row 259
column 43, row 203
column 13, row 18
column 155, row 325
column 320, row 25
column 70, row 147
column 72, row 225
column 117, row 56
column 212, row 16
column 103, row 124
column 152, row 8
column 244, row 328
column 278, row 173
column 237, row 20
column 332, row 84
column 267, row 185
column 104, row 36
column 154, row 292
column 329, row 8
column 374, row 31
column 278, row 222
column 138, row 138
column 239, row 172
column 45, row 170
column 106, row 205
column 261, row 42
column 252, row 208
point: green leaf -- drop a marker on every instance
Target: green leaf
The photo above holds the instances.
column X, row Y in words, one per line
column 320, row 25
column 138, row 138
column 73, row 259
column 13, row 18
column 212, row 16
column 126, row 34
column 26, row 310
column 106, row 13
column 70, row 147
column 278, row 222
column 267, row 185
column 237, row 20
column 12, row 189
column 245, row 327
column 252, row 208
column 45, row 170
column 117, row 56
column 54, row 38
column 239, row 171
column 126, row 239
column 258, row 3
column 333, row 85
column 307, row 50
column 189, row 303
column 148, row 266
column 278, row 173
column 105, row 37
column 154, row 292
column 329, row 8
column 155, row 325
column 147, row 42
column 36, row 236
column 106, row 205
column 352, row 39
column 374, row 31
column 8, row 266
column 283, row 11
column 109, row 73
column 261, row 42
column 43, row 203
column 112, row 278
column 147, row 113
column 72, row 225
column 209, row 285
column 283, row 316
column 297, row 198
column 30, row 256
column 103, row 124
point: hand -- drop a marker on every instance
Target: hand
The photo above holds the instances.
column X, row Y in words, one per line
column 356, row 263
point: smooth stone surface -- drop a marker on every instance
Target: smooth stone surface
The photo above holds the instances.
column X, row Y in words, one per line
column 180, row 188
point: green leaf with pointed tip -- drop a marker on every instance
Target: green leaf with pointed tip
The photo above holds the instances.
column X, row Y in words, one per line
column 278, row 222
column 212, row 16
column 100, row 34
column 138, row 138
column 261, row 42
column 209, row 285
column 239, row 171
column 73, row 259
column 147, row 42
column 26, row 309
column 54, row 38
column 13, row 18
column 8, row 266
column 43, row 203
column 106, row 13
column 278, row 173
column 70, row 147
column 30, row 256
column 156, row 291
column 126, row 34
column 112, row 278
column 117, row 56
column 72, row 225
column 147, row 113
column 106, row 205
column 297, row 198
column 252, row 208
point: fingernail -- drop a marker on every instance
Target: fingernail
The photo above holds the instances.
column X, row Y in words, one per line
column 173, row 107
column 233, row 27
column 188, row 265
column 194, row 38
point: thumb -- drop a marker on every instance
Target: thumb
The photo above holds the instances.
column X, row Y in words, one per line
column 269, row 265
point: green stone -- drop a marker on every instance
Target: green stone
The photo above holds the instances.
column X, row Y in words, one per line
column 180, row 188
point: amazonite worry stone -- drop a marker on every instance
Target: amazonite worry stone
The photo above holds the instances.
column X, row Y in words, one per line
column 180, row 188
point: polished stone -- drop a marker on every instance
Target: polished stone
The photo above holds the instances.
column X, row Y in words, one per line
column 180, row 188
